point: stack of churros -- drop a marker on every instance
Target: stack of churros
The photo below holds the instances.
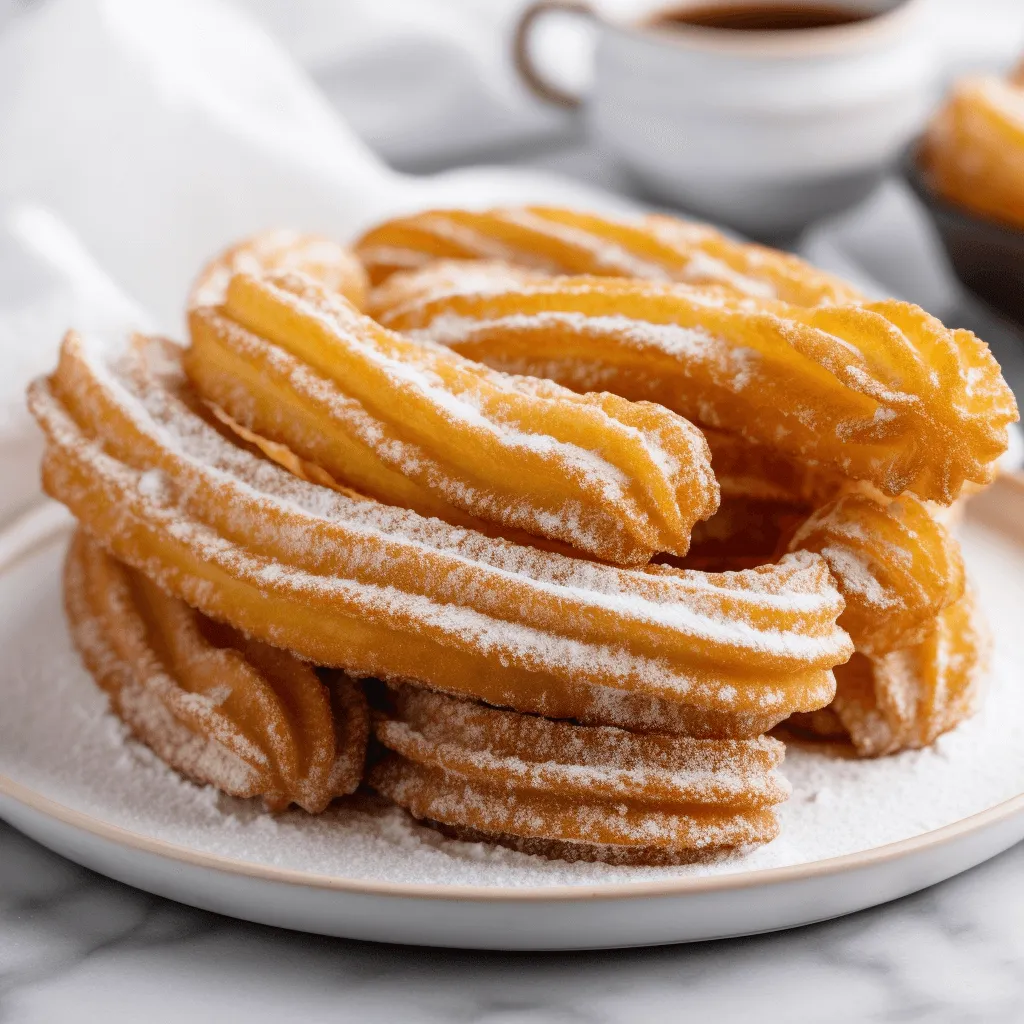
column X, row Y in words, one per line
column 534, row 522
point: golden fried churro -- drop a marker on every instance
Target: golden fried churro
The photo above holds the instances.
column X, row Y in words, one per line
column 907, row 698
column 897, row 567
column 350, row 583
column 573, row 791
column 246, row 718
column 973, row 151
column 559, row 241
column 336, row 267
column 879, row 392
column 422, row 427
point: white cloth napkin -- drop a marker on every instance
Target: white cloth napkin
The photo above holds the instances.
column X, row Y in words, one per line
column 137, row 137
column 48, row 283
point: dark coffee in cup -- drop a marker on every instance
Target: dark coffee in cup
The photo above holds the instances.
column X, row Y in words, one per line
column 708, row 105
column 752, row 17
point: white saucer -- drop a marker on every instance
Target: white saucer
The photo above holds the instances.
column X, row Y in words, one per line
column 69, row 780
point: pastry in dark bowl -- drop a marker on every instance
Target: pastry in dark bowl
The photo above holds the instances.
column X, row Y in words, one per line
column 968, row 169
column 987, row 257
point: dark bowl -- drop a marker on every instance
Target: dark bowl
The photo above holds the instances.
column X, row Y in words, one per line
column 987, row 257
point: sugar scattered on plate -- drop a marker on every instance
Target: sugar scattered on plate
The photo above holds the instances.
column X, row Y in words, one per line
column 57, row 739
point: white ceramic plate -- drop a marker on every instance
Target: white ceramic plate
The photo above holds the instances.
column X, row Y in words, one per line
column 69, row 780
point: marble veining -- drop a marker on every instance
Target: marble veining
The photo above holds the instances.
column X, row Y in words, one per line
column 75, row 946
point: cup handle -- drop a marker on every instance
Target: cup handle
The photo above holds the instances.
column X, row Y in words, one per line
column 523, row 59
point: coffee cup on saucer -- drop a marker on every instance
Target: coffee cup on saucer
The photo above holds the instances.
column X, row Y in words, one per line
column 761, row 114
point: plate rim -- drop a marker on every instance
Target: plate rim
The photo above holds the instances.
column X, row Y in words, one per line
column 686, row 885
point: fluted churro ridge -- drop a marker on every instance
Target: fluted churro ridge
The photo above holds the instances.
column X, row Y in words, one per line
column 419, row 426
column 880, row 391
column 558, row 241
column 247, row 718
column 347, row 582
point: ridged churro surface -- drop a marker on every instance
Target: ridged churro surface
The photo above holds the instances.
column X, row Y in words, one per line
column 347, row 582
column 879, row 392
column 558, row 241
column 335, row 266
column 568, row 790
column 906, row 699
column 244, row 717
column 896, row 566
column 422, row 427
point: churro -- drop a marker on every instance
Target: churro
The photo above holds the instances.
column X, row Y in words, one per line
column 335, row 266
column 347, row 582
column 244, row 717
column 896, row 566
column 879, row 392
column 558, row 241
column 573, row 791
column 972, row 153
column 906, row 699
column 422, row 427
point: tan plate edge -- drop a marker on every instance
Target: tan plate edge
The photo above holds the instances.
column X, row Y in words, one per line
column 687, row 885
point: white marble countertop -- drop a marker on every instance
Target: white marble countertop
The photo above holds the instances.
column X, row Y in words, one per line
column 74, row 946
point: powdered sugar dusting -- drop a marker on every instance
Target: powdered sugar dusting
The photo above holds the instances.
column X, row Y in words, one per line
column 566, row 241
column 533, row 609
column 56, row 738
column 496, row 446
column 809, row 382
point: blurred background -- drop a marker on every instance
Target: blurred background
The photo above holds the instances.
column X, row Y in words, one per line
column 139, row 136
column 430, row 84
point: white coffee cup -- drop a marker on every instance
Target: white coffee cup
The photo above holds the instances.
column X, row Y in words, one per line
column 762, row 130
